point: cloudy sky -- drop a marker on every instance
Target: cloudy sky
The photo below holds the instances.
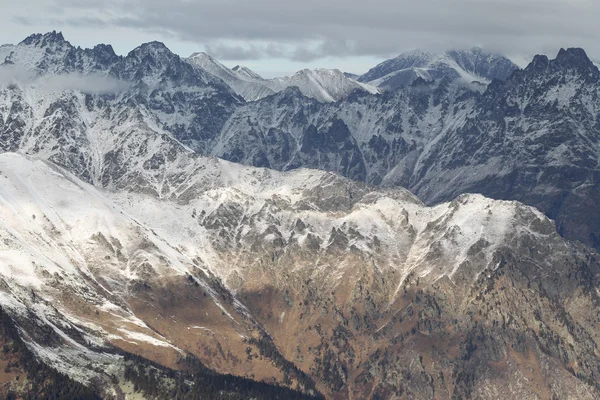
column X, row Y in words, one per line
column 277, row 37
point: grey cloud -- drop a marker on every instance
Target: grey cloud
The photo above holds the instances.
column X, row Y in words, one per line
column 22, row 20
column 299, row 52
column 311, row 29
column 95, row 84
column 10, row 75
column 225, row 51
column 83, row 22
column 85, row 83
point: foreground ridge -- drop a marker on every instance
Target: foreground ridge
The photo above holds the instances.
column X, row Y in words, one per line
column 346, row 281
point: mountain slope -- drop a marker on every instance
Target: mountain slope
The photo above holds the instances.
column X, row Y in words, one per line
column 151, row 83
column 415, row 137
column 327, row 85
column 51, row 53
column 364, row 137
column 473, row 65
column 533, row 138
column 81, row 267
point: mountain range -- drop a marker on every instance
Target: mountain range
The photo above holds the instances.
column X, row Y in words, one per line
column 170, row 227
column 531, row 138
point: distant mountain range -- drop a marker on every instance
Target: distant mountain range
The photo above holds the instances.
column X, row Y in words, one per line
column 326, row 85
column 169, row 226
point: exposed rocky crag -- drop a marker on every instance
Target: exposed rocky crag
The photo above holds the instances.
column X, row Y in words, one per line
column 303, row 279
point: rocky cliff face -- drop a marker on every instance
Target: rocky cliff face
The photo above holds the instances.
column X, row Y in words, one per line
column 190, row 104
column 118, row 235
column 540, row 131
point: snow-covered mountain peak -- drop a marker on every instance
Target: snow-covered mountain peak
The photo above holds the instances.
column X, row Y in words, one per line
column 214, row 67
column 50, row 53
column 417, row 57
column 326, row 76
column 154, row 49
column 337, row 209
column 249, row 87
column 540, row 61
column 201, row 58
column 126, row 222
column 103, row 56
column 40, row 53
column 87, row 271
column 322, row 76
column 199, row 54
column 321, row 71
column 483, row 64
column 470, row 65
column 153, row 63
column 325, row 85
column 573, row 61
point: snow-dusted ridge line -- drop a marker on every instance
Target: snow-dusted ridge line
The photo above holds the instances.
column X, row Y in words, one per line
column 473, row 214
column 325, row 85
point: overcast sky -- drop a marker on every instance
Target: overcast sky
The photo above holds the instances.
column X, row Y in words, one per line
column 277, row 37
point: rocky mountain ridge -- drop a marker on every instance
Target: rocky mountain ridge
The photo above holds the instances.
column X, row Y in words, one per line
column 346, row 279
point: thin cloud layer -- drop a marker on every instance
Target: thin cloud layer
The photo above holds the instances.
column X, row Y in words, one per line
column 313, row 29
column 93, row 84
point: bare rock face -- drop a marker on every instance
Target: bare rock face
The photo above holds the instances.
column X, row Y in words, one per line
column 530, row 136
